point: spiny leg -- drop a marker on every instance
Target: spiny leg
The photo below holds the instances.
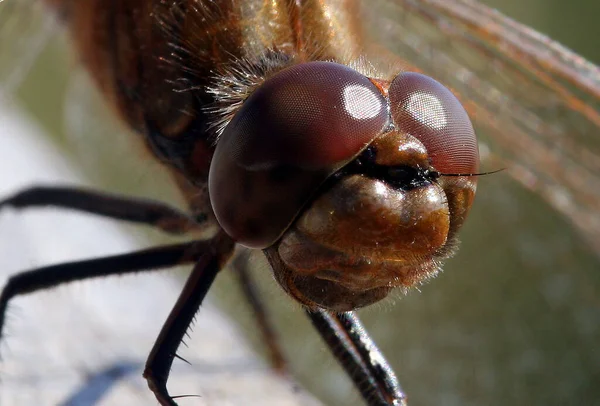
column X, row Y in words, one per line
column 158, row 365
column 359, row 356
column 250, row 291
column 135, row 210
column 145, row 260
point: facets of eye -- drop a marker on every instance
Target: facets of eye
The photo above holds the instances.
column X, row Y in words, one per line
column 425, row 109
column 309, row 115
column 361, row 102
column 308, row 120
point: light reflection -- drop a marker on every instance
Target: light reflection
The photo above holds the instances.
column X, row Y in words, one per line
column 361, row 103
column 427, row 109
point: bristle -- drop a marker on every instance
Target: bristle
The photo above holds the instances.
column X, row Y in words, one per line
column 237, row 81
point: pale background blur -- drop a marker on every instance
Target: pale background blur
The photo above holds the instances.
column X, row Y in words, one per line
column 515, row 317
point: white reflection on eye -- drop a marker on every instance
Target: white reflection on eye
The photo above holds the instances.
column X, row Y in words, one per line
column 361, row 103
column 427, row 109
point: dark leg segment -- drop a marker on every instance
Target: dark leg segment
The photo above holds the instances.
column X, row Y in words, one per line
column 360, row 357
column 144, row 211
column 250, row 290
column 50, row 276
column 161, row 357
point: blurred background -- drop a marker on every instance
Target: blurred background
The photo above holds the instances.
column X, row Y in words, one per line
column 513, row 319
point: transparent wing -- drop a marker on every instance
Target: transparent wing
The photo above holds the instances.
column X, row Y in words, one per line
column 535, row 104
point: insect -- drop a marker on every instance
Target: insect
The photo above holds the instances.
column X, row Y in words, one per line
column 486, row 101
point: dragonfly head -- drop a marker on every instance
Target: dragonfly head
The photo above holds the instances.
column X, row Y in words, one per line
column 337, row 178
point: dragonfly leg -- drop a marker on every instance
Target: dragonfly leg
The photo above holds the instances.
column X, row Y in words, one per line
column 51, row 276
column 136, row 210
column 250, row 291
column 359, row 356
column 163, row 352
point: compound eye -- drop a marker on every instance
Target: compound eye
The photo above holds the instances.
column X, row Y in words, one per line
column 425, row 109
column 291, row 133
column 311, row 115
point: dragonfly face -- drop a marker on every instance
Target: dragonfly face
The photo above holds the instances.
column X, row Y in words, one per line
column 515, row 122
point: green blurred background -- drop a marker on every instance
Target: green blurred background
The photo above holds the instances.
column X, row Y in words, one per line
column 515, row 317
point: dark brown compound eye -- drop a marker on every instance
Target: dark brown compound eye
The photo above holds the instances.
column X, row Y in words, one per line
column 425, row 109
column 295, row 130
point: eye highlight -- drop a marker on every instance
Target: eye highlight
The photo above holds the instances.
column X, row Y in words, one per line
column 428, row 111
column 361, row 102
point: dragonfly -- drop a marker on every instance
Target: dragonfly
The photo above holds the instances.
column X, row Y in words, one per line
column 534, row 105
